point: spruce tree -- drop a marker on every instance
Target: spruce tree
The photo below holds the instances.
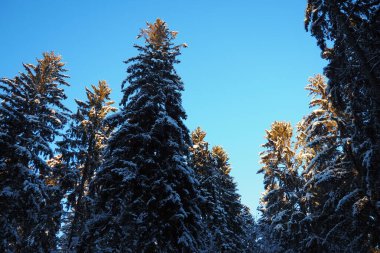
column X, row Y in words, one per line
column 146, row 194
column 318, row 141
column 231, row 223
column 327, row 161
column 207, row 176
column 81, row 150
column 228, row 222
column 351, row 28
column 249, row 231
column 280, row 201
column 31, row 115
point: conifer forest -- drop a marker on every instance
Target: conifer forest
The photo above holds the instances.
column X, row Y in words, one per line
column 129, row 176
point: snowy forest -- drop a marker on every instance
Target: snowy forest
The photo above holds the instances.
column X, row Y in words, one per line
column 129, row 176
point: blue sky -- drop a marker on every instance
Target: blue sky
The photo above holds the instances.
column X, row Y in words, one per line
column 246, row 65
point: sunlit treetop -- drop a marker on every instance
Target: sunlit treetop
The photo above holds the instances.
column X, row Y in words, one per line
column 317, row 90
column 48, row 71
column 279, row 140
column 99, row 100
column 93, row 112
column 199, row 149
column 222, row 159
column 158, row 35
column 198, row 135
column 280, row 134
column 101, row 93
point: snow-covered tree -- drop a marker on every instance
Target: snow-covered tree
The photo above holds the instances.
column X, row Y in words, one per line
column 280, row 202
column 146, row 196
column 320, row 155
column 353, row 72
column 249, row 231
column 228, row 223
column 81, row 150
column 31, row 115
column 333, row 220
column 207, row 176
column 231, row 223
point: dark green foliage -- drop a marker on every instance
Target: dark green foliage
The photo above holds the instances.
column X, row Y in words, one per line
column 320, row 217
column 339, row 140
column 31, row 115
column 146, row 194
column 81, row 151
column 353, row 74
column 229, row 225
column 281, row 205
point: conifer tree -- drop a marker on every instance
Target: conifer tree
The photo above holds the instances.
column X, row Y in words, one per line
column 231, row 225
column 353, row 72
column 317, row 137
column 31, row 115
column 201, row 162
column 81, row 150
column 320, row 148
column 331, row 223
column 249, row 231
column 228, row 222
column 146, row 194
column 282, row 189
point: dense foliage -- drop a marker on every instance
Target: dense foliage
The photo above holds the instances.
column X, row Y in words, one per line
column 136, row 180
column 336, row 166
column 31, row 115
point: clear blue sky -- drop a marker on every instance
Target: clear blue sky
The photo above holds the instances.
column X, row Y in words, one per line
column 246, row 65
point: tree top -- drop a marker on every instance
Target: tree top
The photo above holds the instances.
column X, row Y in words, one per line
column 158, row 34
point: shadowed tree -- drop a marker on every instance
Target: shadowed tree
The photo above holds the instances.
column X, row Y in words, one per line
column 228, row 223
column 334, row 220
column 31, row 115
column 280, row 205
column 353, row 72
column 81, row 150
column 146, row 193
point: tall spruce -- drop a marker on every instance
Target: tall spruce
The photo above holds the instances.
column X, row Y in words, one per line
column 231, row 223
column 81, row 150
column 31, row 115
column 327, row 160
column 207, row 176
column 249, row 231
column 228, row 222
column 320, row 157
column 146, row 193
column 280, row 205
column 353, row 71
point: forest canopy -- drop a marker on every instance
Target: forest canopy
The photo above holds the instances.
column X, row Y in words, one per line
column 130, row 176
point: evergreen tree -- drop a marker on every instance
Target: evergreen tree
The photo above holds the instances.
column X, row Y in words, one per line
column 31, row 115
column 63, row 178
column 81, row 150
column 249, row 231
column 324, row 167
column 207, row 176
column 280, row 205
column 332, row 224
column 353, row 72
column 228, row 222
column 146, row 194
column 231, row 222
